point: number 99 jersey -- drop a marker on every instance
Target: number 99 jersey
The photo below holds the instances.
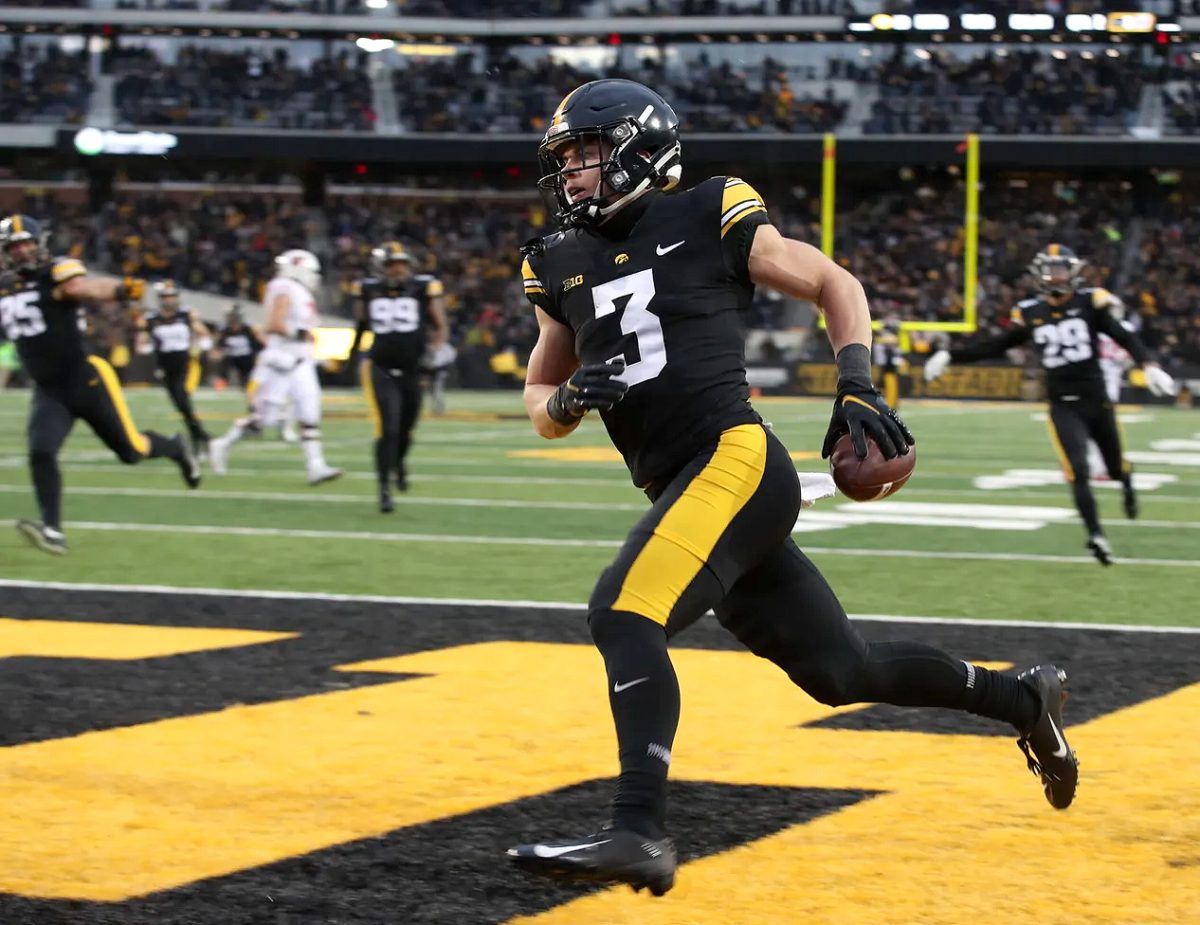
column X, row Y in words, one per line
column 1066, row 338
column 397, row 314
column 667, row 298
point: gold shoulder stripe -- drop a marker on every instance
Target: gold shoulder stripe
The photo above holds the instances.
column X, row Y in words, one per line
column 1101, row 298
column 434, row 288
column 67, row 269
column 735, row 194
column 738, row 213
column 1018, row 316
column 527, row 273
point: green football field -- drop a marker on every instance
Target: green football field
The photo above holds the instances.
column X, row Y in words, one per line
column 496, row 513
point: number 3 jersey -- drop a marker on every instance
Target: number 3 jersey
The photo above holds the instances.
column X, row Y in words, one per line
column 44, row 327
column 397, row 314
column 1066, row 337
column 667, row 298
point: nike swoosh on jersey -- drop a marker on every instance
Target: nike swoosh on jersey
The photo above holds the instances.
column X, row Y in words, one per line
column 663, row 251
column 542, row 851
column 617, row 688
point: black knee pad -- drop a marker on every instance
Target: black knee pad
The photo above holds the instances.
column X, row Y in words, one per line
column 308, row 432
column 617, row 628
column 130, row 456
column 41, row 458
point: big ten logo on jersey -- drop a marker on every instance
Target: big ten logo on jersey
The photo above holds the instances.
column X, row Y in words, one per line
column 399, row 315
column 569, row 284
column 21, row 316
column 405, row 747
column 1064, row 342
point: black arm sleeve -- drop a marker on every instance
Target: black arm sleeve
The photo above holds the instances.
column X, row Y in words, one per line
column 1107, row 324
column 359, row 330
column 1015, row 335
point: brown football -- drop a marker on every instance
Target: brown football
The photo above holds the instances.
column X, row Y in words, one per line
column 869, row 479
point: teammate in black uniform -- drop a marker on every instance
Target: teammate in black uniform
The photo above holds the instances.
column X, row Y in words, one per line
column 638, row 302
column 174, row 331
column 890, row 359
column 39, row 298
column 403, row 310
column 239, row 345
column 1064, row 324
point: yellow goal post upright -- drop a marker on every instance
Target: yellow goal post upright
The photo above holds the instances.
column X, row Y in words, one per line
column 970, row 237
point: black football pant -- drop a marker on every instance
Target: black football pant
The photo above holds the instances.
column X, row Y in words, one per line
column 94, row 396
column 243, row 366
column 394, row 402
column 718, row 536
column 180, row 378
column 1072, row 424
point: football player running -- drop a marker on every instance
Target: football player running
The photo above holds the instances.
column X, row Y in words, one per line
column 403, row 311
column 40, row 298
column 1064, row 324
column 175, row 334
column 637, row 301
column 286, row 366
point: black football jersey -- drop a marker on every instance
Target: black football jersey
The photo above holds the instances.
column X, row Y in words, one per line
column 240, row 343
column 1066, row 337
column 172, row 337
column 47, row 330
column 397, row 314
column 667, row 298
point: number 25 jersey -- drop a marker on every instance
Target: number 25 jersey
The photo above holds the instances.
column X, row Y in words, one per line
column 45, row 328
column 667, row 298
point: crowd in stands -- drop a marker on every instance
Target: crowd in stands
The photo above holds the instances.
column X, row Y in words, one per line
column 904, row 241
column 215, row 87
column 1002, row 92
column 515, row 96
column 43, row 84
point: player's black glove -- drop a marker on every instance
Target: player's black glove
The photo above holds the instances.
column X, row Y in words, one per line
column 590, row 388
column 860, row 410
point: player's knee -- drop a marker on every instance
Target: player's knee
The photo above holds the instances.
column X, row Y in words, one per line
column 129, row 455
column 833, row 683
column 310, row 432
column 613, row 629
column 41, row 458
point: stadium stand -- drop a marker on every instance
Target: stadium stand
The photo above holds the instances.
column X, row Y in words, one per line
column 43, row 84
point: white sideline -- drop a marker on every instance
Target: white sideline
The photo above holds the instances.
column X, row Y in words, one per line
column 543, row 605
column 218, row 530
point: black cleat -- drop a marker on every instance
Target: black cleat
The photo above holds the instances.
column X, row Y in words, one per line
column 386, row 506
column 1131, row 501
column 1098, row 546
column 608, row 856
column 402, row 479
column 189, row 467
column 39, row 536
column 1046, row 751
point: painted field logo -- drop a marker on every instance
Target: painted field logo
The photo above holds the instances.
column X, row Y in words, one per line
column 281, row 755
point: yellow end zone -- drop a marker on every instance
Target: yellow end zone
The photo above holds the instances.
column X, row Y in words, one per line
column 117, row 641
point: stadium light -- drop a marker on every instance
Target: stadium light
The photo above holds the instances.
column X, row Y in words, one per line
column 931, row 22
column 377, row 4
column 373, row 45
column 1058, row 54
column 1086, row 22
column 922, row 53
column 981, row 22
column 1031, row 22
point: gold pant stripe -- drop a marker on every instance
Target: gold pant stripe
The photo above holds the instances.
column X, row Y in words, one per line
column 1063, row 460
column 113, row 387
column 688, row 532
column 1125, row 467
column 372, row 402
column 193, row 375
column 251, row 388
column 891, row 389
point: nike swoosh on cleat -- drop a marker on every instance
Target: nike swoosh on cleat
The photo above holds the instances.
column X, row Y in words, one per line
column 663, row 251
column 617, row 688
column 1062, row 745
column 542, row 851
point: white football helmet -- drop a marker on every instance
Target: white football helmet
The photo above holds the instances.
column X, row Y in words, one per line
column 302, row 266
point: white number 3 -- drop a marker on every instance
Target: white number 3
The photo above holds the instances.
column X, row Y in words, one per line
column 638, row 320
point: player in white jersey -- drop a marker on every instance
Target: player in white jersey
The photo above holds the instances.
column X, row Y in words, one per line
column 286, row 367
column 1114, row 361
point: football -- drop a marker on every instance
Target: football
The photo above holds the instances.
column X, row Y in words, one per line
column 872, row 478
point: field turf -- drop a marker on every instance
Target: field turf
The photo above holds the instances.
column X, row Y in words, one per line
column 303, row 753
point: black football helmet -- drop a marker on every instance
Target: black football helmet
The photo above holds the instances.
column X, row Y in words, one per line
column 168, row 295
column 1057, row 270
column 637, row 135
column 17, row 228
column 390, row 252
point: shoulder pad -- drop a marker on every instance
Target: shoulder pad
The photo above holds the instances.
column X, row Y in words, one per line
column 534, row 247
column 62, row 269
column 1101, row 297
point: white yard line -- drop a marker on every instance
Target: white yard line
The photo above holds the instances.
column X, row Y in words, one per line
column 574, row 606
column 218, row 530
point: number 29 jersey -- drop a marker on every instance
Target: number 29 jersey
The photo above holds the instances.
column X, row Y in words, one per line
column 45, row 328
column 667, row 298
column 1066, row 338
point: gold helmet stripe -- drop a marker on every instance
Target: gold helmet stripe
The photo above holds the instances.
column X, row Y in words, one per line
column 1053, row 250
column 17, row 225
column 558, row 113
